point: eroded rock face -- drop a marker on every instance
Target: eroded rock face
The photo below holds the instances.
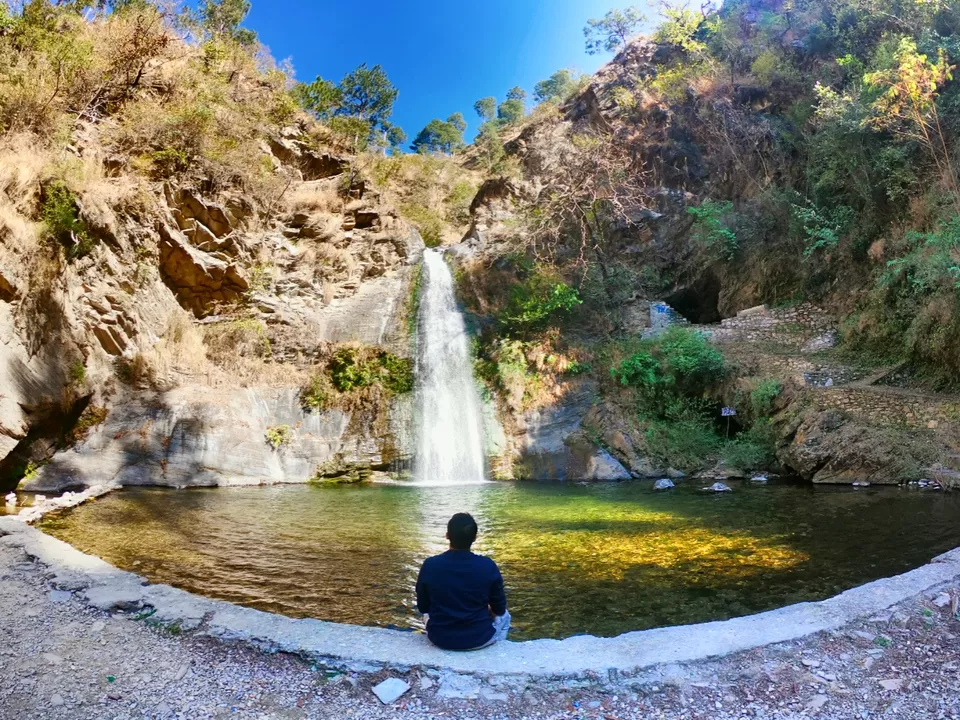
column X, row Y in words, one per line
column 827, row 447
column 201, row 282
column 551, row 445
column 202, row 437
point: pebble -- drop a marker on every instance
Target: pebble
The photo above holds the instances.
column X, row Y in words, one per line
column 426, row 683
column 594, row 704
column 56, row 700
column 52, row 659
column 810, row 663
column 491, row 695
column 942, row 600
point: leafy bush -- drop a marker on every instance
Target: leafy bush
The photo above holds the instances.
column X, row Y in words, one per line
column 753, row 449
column 763, row 396
column 429, row 223
column 279, row 435
column 639, row 370
column 711, row 227
column 317, row 394
column 822, row 228
column 685, row 444
column 691, row 359
column 538, row 302
column 397, row 373
column 579, row 368
column 680, row 362
column 351, row 369
column 61, row 217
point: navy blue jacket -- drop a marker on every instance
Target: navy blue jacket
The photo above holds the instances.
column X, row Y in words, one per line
column 459, row 589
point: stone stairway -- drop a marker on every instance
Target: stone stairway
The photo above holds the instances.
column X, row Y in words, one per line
column 662, row 317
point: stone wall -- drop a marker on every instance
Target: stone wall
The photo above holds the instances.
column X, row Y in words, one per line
column 886, row 406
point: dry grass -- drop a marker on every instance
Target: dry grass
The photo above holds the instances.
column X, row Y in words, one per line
column 322, row 196
column 432, row 192
column 228, row 354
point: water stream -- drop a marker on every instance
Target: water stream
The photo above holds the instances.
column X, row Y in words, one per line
column 450, row 442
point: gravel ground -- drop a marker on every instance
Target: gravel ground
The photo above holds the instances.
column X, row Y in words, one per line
column 62, row 659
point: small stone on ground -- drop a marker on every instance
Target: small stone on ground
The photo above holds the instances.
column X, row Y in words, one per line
column 390, row 690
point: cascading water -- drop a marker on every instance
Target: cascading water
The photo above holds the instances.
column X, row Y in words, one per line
column 450, row 445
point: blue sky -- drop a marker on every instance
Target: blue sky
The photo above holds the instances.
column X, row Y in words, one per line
column 443, row 56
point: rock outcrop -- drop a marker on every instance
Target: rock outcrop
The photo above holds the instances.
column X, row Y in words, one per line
column 204, row 437
column 327, row 262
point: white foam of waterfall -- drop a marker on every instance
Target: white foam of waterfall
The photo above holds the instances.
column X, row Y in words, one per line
column 450, row 443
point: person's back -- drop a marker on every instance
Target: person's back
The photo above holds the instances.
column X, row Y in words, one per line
column 462, row 593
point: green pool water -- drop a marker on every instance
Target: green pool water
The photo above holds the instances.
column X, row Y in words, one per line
column 598, row 559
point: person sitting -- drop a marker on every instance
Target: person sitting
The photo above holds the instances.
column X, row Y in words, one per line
column 462, row 593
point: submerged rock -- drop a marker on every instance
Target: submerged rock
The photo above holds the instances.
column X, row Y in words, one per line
column 664, row 484
column 759, row 478
column 718, row 487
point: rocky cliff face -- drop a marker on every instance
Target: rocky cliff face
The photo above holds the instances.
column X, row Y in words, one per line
column 603, row 201
column 197, row 317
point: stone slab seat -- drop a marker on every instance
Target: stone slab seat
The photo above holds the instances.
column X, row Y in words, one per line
column 352, row 644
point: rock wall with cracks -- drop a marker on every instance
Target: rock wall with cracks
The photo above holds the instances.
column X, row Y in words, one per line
column 330, row 261
column 205, row 437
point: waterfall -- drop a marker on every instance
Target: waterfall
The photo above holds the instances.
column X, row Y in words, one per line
column 450, row 445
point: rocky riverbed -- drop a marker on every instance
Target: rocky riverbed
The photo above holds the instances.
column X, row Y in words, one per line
column 63, row 659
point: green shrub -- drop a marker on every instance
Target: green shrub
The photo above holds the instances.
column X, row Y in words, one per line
column 711, row 227
column 457, row 203
column 349, row 370
column 822, row 228
column 397, row 373
column 352, row 368
column 690, row 358
column 78, row 373
column 579, row 368
column 169, row 161
column 279, row 435
column 639, row 370
column 537, row 303
column 763, row 396
column 429, row 223
column 681, row 362
column 753, row 449
column 61, row 216
column 685, row 444
column 317, row 394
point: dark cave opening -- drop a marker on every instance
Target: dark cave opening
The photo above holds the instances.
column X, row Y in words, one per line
column 698, row 302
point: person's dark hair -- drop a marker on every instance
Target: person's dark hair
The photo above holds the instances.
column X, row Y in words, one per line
column 462, row 531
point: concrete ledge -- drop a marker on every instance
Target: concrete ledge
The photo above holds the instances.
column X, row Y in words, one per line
column 108, row 588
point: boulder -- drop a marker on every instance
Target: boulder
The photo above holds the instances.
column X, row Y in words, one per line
column 827, row 447
column 718, row 487
column 664, row 484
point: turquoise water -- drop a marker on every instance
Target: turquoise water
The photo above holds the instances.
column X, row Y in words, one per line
column 598, row 559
